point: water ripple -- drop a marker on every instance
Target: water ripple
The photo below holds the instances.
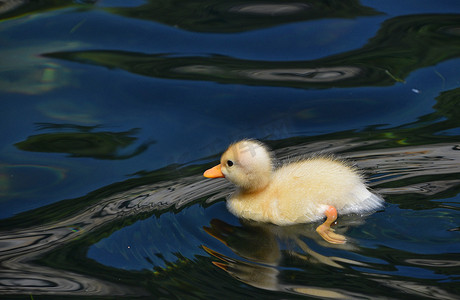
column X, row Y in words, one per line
column 19, row 248
column 270, row 9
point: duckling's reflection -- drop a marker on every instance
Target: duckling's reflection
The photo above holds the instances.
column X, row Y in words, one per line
column 265, row 247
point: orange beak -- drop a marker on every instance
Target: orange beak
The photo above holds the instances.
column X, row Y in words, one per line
column 214, row 172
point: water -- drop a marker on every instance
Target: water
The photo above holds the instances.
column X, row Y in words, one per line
column 113, row 109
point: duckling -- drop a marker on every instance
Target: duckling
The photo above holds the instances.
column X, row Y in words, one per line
column 298, row 192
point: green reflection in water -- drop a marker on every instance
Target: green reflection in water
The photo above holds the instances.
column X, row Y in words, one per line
column 85, row 143
column 448, row 105
column 428, row 128
column 237, row 16
column 401, row 46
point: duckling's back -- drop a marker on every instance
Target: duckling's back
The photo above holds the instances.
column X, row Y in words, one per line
column 305, row 188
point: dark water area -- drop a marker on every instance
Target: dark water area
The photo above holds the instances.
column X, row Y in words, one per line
column 112, row 110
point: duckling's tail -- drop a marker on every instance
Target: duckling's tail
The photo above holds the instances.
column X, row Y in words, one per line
column 365, row 202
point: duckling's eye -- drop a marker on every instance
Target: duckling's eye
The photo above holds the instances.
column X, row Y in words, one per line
column 229, row 163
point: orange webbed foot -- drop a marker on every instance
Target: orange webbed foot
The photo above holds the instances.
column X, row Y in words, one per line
column 325, row 230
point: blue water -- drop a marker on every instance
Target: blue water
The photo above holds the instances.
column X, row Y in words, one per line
column 112, row 110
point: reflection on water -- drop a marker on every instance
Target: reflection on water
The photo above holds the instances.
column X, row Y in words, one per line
column 270, row 256
column 270, row 9
column 401, row 46
column 83, row 142
column 45, row 77
column 32, row 74
column 239, row 16
column 19, row 248
column 307, row 75
column 167, row 233
column 267, row 257
column 301, row 75
column 265, row 248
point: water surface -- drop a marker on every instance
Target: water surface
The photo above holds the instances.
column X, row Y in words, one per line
column 112, row 110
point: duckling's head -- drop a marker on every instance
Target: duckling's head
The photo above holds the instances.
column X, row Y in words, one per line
column 247, row 163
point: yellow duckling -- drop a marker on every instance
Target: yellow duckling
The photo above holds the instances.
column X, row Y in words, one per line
column 298, row 192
